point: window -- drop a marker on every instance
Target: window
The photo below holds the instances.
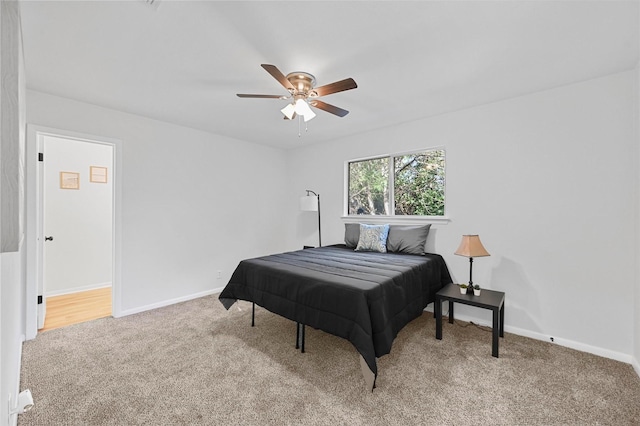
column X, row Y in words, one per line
column 401, row 185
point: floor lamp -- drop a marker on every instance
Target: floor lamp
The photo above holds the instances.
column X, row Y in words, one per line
column 311, row 203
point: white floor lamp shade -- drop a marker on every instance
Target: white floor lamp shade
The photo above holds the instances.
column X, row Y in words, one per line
column 311, row 203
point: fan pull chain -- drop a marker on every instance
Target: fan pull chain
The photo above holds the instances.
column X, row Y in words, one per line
column 298, row 126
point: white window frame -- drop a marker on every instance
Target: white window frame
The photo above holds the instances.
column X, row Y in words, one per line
column 392, row 218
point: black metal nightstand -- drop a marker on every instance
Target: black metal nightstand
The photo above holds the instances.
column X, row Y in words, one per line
column 488, row 299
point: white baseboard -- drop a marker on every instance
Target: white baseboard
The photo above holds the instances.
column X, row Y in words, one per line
column 582, row 347
column 169, row 302
column 77, row 289
column 636, row 366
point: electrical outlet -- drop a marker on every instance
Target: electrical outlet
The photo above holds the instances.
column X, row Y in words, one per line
column 219, row 274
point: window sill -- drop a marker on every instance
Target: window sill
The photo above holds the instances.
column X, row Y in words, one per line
column 396, row 220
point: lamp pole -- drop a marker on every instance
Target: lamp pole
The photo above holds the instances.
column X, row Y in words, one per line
column 470, row 288
column 319, row 226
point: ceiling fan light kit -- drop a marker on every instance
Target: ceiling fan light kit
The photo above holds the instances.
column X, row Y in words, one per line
column 303, row 93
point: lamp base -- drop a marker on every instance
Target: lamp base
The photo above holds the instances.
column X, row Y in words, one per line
column 470, row 289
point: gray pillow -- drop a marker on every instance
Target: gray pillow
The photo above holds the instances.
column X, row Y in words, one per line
column 351, row 234
column 407, row 239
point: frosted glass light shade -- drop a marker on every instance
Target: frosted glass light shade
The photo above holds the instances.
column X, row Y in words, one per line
column 309, row 203
column 308, row 116
column 288, row 111
column 303, row 109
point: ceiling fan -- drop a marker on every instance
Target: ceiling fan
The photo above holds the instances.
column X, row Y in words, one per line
column 303, row 93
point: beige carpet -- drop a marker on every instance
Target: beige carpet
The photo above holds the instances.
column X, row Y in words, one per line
column 196, row 364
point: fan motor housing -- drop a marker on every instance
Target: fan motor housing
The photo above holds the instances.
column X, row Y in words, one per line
column 302, row 81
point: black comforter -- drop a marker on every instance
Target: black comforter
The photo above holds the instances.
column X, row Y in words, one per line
column 364, row 297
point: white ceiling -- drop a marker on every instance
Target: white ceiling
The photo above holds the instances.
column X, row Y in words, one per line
column 183, row 62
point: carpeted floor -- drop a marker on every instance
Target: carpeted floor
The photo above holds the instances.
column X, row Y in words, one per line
column 196, row 364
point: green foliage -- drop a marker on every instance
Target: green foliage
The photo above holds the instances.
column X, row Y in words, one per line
column 418, row 181
column 419, row 184
column 369, row 187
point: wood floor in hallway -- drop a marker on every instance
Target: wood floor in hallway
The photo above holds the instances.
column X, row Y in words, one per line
column 78, row 307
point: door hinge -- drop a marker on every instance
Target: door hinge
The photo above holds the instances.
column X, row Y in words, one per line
column 40, row 156
column 39, row 300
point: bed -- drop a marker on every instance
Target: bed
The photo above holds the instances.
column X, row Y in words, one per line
column 365, row 297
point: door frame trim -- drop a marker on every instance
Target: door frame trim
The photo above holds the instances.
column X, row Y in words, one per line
column 32, row 266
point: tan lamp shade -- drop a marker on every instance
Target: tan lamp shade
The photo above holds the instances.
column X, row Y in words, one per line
column 470, row 246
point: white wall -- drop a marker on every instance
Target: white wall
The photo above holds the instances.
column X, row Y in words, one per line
column 193, row 203
column 548, row 182
column 12, row 145
column 80, row 221
column 12, row 122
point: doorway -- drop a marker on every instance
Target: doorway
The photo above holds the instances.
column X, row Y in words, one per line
column 71, row 220
column 78, row 219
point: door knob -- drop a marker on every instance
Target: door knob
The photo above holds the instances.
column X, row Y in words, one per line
column 48, row 238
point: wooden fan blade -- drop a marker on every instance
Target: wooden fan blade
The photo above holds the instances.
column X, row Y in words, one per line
column 244, row 95
column 275, row 72
column 329, row 108
column 338, row 86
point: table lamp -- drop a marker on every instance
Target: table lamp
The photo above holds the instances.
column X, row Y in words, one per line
column 471, row 247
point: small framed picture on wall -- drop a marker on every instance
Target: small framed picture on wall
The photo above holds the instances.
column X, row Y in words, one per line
column 69, row 180
column 98, row 174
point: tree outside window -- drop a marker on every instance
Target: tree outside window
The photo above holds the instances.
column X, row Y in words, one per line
column 417, row 183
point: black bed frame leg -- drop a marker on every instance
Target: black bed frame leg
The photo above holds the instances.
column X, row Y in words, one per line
column 253, row 314
column 300, row 337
